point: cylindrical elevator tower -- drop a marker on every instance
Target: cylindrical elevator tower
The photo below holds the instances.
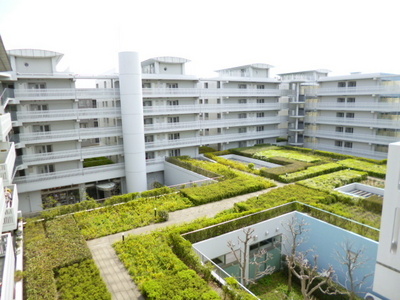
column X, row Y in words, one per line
column 130, row 84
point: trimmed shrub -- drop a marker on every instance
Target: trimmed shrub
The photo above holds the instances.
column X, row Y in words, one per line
column 96, row 161
column 372, row 169
column 311, row 172
column 373, row 204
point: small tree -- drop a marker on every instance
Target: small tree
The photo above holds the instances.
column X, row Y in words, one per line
column 352, row 259
column 241, row 254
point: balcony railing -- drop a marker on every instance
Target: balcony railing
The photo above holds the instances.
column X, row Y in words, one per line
column 73, row 154
column 350, row 151
column 359, row 106
column 209, row 108
column 63, row 94
column 7, row 161
column 11, row 212
column 68, row 173
column 219, row 123
column 5, row 126
column 7, row 266
column 67, row 135
column 70, row 114
column 360, row 122
column 212, row 139
column 360, row 90
column 5, row 95
column 355, row 137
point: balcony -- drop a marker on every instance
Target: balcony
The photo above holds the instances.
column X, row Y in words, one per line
column 73, row 154
column 212, row 139
column 353, row 137
column 67, row 114
column 66, row 135
column 11, row 212
column 5, row 126
column 356, row 122
column 69, row 177
column 349, row 151
column 6, row 95
column 198, row 92
column 64, row 94
column 359, row 106
column 361, row 90
column 219, row 123
column 7, row 161
column 7, row 267
column 209, row 108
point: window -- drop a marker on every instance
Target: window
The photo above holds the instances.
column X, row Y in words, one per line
column 340, row 115
column 260, row 86
column 206, row 85
column 36, row 107
column 349, row 129
column 173, row 136
column 341, row 84
column 242, row 130
column 172, row 85
column 351, row 100
column 41, row 128
column 44, row 149
column 148, row 121
column 173, row 119
column 219, row 130
column 242, row 101
column 260, row 101
column 174, row 152
column 352, row 84
column 206, row 115
column 46, row 169
column 218, row 101
column 37, row 86
column 218, row 116
column 260, row 141
column 147, row 103
column 338, row 143
column 340, row 100
column 348, row 144
column 149, row 138
column 260, row 128
column 173, row 102
column 242, row 116
column 242, row 86
column 260, row 115
column 349, row 115
column 339, row 129
column 150, row 155
column 218, row 84
column 146, row 85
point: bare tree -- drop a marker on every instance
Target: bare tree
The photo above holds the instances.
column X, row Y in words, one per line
column 241, row 254
column 352, row 259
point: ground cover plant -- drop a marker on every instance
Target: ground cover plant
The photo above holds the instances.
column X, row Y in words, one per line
column 312, row 171
column 287, row 154
column 136, row 213
column 49, row 248
column 245, row 167
column 372, row 169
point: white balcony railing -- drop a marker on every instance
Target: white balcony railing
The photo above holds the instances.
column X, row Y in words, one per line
column 355, row 137
column 73, row 154
column 209, row 108
column 219, row 123
column 67, row 135
column 8, row 266
column 7, row 161
column 212, row 139
column 377, row 106
column 360, row 90
column 11, row 212
column 360, row 122
column 63, row 94
column 70, row 114
column 349, row 151
column 68, row 173
column 5, row 126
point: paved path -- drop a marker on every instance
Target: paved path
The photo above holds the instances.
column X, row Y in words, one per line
column 112, row 270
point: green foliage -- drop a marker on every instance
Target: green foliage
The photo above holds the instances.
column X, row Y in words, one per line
column 136, row 213
column 233, row 164
column 206, row 149
column 288, row 154
column 49, row 246
column 96, row 161
column 234, row 291
column 289, row 166
column 67, row 209
column 372, row 169
column 159, row 273
column 311, row 172
column 373, row 204
column 81, row 281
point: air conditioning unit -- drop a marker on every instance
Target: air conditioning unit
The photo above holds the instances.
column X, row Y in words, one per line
column 369, row 296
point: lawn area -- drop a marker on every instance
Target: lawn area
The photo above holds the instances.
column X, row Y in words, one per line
column 274, row 287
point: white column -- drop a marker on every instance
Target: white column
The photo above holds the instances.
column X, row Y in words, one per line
column 387, row 269
column 130, row 83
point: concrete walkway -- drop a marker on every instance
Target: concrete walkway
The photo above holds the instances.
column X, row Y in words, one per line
column 113, row 271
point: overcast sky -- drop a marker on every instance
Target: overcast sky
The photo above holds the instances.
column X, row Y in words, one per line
column 293, row 35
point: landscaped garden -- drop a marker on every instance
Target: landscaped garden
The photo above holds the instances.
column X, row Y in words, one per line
column 162, row 264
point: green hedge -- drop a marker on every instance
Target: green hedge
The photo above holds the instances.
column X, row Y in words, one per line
column 96, row 161
column 311, row 172
column 288, row 154
column 68, row 209
column 372, row 169
column 373, row 204
column 233, row 164
column 289, row 166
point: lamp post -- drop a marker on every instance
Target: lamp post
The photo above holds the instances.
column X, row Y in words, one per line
column 155, row 212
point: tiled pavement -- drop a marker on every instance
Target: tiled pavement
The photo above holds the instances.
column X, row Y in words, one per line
column 112, row 270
